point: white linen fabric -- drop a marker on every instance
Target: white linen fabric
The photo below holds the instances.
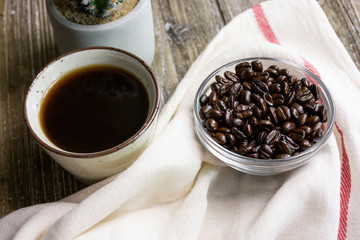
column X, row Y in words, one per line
column 177, row 190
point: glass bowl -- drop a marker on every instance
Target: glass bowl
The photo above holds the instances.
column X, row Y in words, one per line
column 257, row 166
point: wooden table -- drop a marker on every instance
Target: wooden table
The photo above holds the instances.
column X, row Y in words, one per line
column 27, row 175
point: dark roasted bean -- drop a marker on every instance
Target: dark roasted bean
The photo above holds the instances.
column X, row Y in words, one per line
column 220, row 105
column 272, row 72
column 304, row 95
column 261, row 136
column 284, row 72
column 302, row 119
column 265, row 151
column 283, row 112
column 220, row 138
column 275, row 88
column 312, row 120
column 272, row 137
column 239, row 134
column 273, row 115
column 284, row 147
column 204, row 110
column 244, row 114
column 312, row 107
column 247, row 75
column 235, row 89
column 214, row 113
column 252, row 155
column 211, row 124
column 315, row 91
column 299, row 107
column 204, row 99
column 317, row 134
column 248, row 129
column 265, row 124
column 305, row 82
column 317, row 126
column 231, row 76
column 278, row 99
column 307, row 130
column 281, row 79
column 282, row 156
column 290, row 98
column 297, row 134
column 285, row 88
column 245, row 96
column 268, row 99
column 228, row 116
column 322, row 113
column 305, row 144
column 288, row 126
column 231, row 138
column 260, row 102
column 215, row 87
column 224, row 130
column 294, row 113
column 257, row 66
column 236, row 122
column 213, row 97
column 259, row 87
column 257, row 112
column 224, row 89
column 253, row 121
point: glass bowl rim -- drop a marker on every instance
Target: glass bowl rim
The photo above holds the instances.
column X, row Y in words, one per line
column 240, row 159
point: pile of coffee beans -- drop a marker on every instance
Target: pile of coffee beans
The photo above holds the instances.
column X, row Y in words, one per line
column 263, row 113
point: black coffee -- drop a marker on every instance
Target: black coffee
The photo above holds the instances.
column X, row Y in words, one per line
column 94, row 108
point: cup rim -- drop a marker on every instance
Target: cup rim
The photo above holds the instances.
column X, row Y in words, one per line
column 230, row 157
column 97, row 27
column 140, row 132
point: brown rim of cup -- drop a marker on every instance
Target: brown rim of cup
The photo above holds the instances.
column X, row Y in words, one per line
column 145, row 126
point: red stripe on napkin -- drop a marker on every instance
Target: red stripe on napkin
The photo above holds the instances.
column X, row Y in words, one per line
column 345, row 185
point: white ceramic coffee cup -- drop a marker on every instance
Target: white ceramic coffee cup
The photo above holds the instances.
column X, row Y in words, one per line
column 91, row 167
column 133, row 32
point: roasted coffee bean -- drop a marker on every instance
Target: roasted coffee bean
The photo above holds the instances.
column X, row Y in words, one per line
column 305, row 144
column 304, row 95
column 214, row 113
column 228, row 116
column 285, row 88
column 283, row 112
column 211, row 124
column 290, row 98
column 248, row 129
column 317, row 126
column 237, row 123
column 235, row 89
column 224, row 130
column 294, row 113
column 272, row 137
column 302, row 119
column 322, row 113
column 257, row 112
column 231, row 139
column 265, row 151
column 297, row 134
column 288, row 126
column 245, row 96
column 204, row 110
column 260, row 102
column 259, row 87
column 244, row 114
column 315, row 91
column 284, row 147
column 215, row 87
column 203, row 99
column 231, row 76
column 239, row 134
column 247, row 75
column 220, row 105
column 265, row 124
column 224, row 89
column 273, row 115
column 263, row 113
column 312, row 107
column 281, row 79
column 275, row 88
column 268, row 99
column 278, row 99
column 220, row 138
column 272, row 72
column 299, row 107
column 213, row 97
column 306, row 129
column 312, row 120
column 257, row 66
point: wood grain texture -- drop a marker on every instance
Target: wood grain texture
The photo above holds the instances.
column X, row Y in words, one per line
column 183, row 29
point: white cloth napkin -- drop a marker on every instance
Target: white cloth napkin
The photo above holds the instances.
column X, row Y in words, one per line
column 177, row 190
